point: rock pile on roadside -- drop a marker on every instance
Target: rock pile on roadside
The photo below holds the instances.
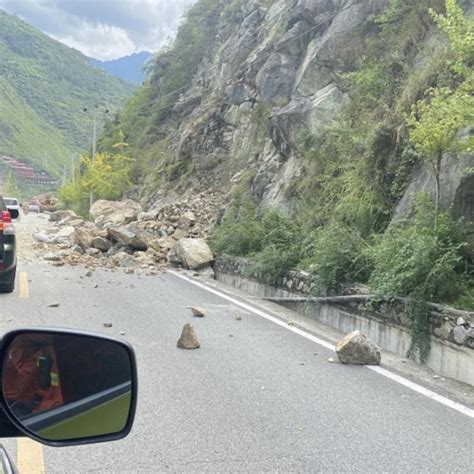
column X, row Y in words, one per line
column 122, row 235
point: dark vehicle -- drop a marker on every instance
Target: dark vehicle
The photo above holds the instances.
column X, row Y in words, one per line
column 65, row 388
column 7, row 248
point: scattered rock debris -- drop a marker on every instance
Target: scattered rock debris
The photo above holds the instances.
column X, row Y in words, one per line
column 121, row 235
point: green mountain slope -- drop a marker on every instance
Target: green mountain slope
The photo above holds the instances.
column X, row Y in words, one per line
column 28, row 136
column 44, row 87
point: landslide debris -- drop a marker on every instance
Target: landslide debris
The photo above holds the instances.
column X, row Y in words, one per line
column 121, row 234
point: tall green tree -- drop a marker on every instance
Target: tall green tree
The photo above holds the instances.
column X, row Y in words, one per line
column 107, row 177
column 436, row 120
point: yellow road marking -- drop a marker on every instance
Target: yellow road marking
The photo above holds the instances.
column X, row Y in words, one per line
column 24, row 289
column 29, row 457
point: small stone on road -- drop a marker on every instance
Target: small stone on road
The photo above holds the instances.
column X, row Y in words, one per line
column 198, row 311
column 188, row 339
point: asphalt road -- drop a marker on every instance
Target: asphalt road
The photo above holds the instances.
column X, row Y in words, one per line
column 254, row 398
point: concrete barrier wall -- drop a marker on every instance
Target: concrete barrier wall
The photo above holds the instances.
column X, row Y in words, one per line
column 445, row 358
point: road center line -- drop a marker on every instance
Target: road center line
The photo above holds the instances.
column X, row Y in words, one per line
column 29, row 456
column 379, row 370
column 24, row 289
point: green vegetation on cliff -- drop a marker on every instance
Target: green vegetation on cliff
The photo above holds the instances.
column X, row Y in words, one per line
column 147, row 119
column 405, row 100
column 44, row 87
column 356, row 172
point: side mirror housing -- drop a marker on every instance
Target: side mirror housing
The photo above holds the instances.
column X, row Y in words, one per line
column 14, row 213
column 63, row 387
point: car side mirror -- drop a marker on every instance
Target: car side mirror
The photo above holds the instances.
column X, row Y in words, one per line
column 14, row 213
column 63, row 387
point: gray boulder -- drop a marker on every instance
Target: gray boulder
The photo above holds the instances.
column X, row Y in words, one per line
column 82, row 237
column 356, row 348
column 58, row 216
column 193, row 253
column 121, row 259
column 115, row 213
column 144, row 259
column 163, row 243
column 126, row 238
column 461, row 334
column 42, row 237
column 101, row 243
column 66, row 233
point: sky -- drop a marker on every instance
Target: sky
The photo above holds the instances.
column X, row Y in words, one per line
column 103, row 29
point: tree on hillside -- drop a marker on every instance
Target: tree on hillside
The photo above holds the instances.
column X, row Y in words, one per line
column 436, row 121
column 107, row 177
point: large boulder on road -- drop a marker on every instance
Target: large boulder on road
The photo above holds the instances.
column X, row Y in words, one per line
column 192, row 253
column 82, row 237
column 101, row 243
column 65, row 234
column 162, row 243
column 356, row 348
column 121, row 259
column 115, row 213
column 126, row 238
column 188, row 339
column 58, row 216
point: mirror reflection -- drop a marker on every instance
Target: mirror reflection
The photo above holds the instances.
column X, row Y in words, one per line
column 65, row 387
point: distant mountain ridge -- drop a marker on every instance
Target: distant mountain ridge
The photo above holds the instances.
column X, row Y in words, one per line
column 128, row 68
column 44, row 88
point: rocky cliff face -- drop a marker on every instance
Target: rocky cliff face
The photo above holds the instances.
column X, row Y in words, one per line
column 275, row 78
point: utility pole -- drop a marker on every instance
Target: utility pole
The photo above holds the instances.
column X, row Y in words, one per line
column 95, row 111
column 73, row 169
column 94, row 147
column 64, row 175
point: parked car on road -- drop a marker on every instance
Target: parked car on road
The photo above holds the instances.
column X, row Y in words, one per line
column 12, row 203
column 7, row 248
column 34, row 206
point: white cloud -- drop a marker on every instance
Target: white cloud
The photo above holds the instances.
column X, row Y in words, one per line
column 103, row 29
column 100, row 41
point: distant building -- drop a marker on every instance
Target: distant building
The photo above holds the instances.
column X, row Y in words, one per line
column 24, row 172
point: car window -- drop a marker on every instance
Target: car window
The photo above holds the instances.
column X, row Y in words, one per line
column 10, row 202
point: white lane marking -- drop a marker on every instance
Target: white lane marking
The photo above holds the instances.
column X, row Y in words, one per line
column 423, row 391
column 256, row 311
column 379, row 370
